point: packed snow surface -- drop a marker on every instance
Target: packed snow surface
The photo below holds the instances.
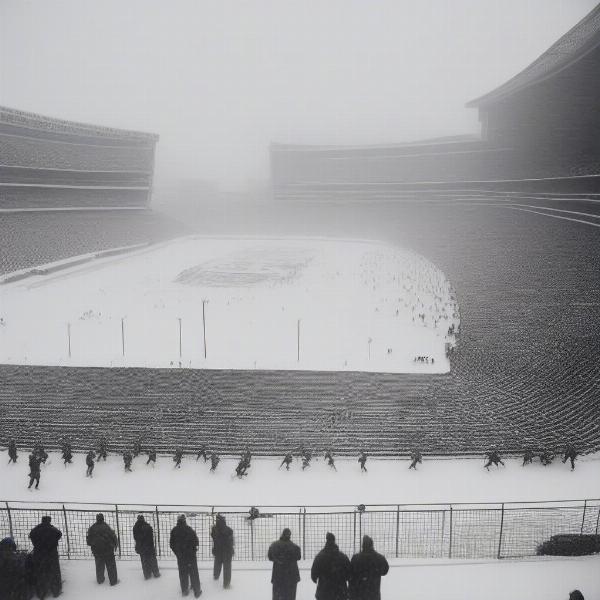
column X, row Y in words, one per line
column 545, row 579
column 316, row 304
column 386, row 482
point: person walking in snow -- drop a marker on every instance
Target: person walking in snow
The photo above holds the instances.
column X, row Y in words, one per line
column 67, row 453
column 527, row 457
column 214, row 462
column 89, row 461
column 177, row 458
column 102, row 449
column 362, row 459
column 329, row 458
column 12, row 452
column 415, row 458
column 127, row 458
column 493, row 458
column 151, row 457
column 35, row 470
column 203, row 452
column 287, row 461
column 570, row 454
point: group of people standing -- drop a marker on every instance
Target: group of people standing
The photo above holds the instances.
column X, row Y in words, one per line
column 336, row 576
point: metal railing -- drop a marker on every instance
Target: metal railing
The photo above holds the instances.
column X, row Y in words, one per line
column 461, row 531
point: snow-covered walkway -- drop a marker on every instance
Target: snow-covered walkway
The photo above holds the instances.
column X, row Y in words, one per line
column 540, row 579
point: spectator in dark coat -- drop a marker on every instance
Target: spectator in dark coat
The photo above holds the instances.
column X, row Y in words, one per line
column 45, row 538
column 331, row 569
column 367, row 567
column 576, row 595
column 143, row 534
column 284, row 555
column 14, row 584
column 103, row 543
column 222, row 537
column 184, row 543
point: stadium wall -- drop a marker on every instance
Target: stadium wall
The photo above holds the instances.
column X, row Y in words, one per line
column 48, row 163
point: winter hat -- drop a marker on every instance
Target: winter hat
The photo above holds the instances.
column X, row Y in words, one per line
column 330, row 538
column 286, row 534
column 367, row 543
column 141, row 518
column 46, row 519
column 8, row 544
column 99, row 518
column 181, row 519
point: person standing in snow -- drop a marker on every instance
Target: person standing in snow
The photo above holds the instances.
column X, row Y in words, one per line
column 367, row 567
column 143, row 534
column 12, row 452
column 284, row 555
column 184, row 544
column 222, row 537
column 331, row 572
column 103, row 542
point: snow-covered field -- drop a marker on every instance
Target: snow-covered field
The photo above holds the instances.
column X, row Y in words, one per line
column 548, row 579
column 316, row 304
column 387, row 482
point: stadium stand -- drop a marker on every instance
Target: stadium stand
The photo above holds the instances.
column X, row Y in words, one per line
column 540, row 133
column 44, row 162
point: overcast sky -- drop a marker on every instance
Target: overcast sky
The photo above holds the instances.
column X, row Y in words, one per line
column 220, row 79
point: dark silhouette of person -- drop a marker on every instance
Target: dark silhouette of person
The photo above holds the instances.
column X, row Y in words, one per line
column 367, row 568
column 184, row 543
column 46, row 565
column 284, row 555
column 222, row 537
column 143, row 535
column 103, row 543
column 331, row 572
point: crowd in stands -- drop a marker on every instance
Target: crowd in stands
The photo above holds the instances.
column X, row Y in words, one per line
column 39, row 153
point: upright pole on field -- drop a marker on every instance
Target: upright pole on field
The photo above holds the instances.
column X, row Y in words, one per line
column 69, row 337
column 298, row 341
column 10, row 523
column 179, row 319
column 450, row 535
column 157, row 520
column 123, row 336
column 204, row 325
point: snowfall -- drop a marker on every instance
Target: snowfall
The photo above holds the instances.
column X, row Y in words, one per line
column 387, row 481
column 236, row 303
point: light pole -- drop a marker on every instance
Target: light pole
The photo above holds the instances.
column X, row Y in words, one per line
column 179, row 319
column 123, row 335
column 204, row 324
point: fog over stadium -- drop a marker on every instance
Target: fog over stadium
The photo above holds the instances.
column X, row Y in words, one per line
column 220, row 80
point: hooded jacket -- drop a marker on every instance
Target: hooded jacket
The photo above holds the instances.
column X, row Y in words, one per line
column 367, row 568
column 331, row 569
column 184, row 541
column 222, row 537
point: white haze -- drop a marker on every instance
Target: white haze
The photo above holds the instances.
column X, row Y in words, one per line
column 220, row 79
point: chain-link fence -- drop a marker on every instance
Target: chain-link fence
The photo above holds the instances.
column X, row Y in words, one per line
column 463, row 531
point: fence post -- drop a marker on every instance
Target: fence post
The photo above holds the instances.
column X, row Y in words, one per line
column 157, row 520
column 67, row 533
column 354, row 532
column 251, row 539
column 397, row 528
column 501, row 529
column 583, row 519
column 10, row 524
column 118, row 529
column 450, row 537
column 304, row 533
